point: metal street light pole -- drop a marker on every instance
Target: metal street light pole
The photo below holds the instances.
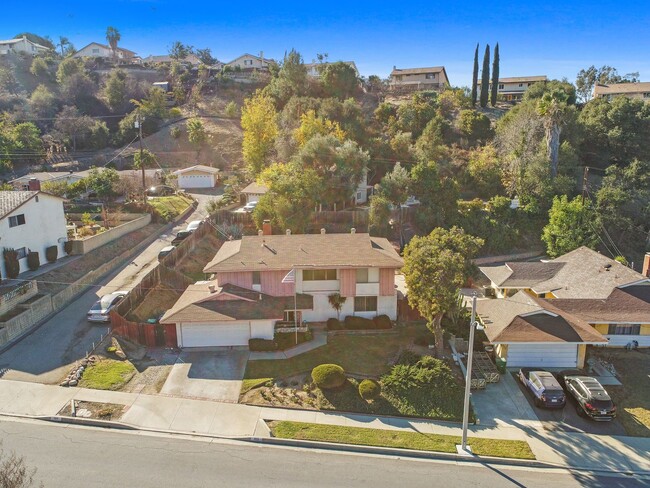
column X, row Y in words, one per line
column 468, row 377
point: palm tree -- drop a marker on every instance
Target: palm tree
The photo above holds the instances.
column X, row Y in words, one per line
column 113, row 37
column 553, row 108
column 63, row 43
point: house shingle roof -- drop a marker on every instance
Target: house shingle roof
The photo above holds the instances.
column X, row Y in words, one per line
column 627, row 304
column 281, row 252
column 230, row 302
column 523, row 318
column 417, row 71
column 255, row 188
column 521, row 274
column 11, row 200
column 197, row 167
column 618, row 88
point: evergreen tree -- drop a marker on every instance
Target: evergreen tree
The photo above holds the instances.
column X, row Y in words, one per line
column 495, row 76
column 475, row 77
column 485, row 78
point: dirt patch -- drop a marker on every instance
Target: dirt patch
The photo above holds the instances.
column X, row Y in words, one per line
column 94, row 410
column 58, row 279
column 160, row 299
column 193, row 263
column 149, row 379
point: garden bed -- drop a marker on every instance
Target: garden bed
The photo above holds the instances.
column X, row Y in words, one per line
column 94, row 410
column 107, row 374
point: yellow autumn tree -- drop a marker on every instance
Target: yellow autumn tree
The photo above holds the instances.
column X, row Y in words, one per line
column 260, row 126
column 312, row 125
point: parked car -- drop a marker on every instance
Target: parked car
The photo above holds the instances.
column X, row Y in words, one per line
column 544, row 387
column 99, row 312
column 181, row 236
column 165, row 251
column 192, row 226
column 591, row 398
column 160, row 191
column 250, row 206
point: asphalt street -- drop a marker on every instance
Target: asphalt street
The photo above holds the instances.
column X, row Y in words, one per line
column 73, row 457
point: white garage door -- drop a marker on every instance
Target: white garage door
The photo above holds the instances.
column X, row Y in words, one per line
column 543, row 355
column 193, row 335
column 196, row 181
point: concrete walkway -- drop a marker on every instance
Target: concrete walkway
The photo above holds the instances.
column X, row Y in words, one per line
column 183, row 415
column 319, row 339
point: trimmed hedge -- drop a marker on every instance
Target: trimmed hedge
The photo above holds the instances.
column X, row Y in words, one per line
column 280, row 342
column 369, row 389
column 358, row 323
column 262, row 345
column 12, row 265
column 51, row 253
column 67, row 247
column 382, row 322
column 328, row 376
column 334, row 324
column 33, row 260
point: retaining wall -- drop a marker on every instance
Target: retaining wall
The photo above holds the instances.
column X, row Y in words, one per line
column 82, row 246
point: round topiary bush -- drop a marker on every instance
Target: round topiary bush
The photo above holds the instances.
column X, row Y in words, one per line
column 369, row 389
column 334, row 324
column 328, row 376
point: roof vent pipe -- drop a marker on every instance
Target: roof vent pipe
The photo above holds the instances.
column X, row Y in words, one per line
column 288, row 232
column 322, row 231
column 353, row 230
column 212, row 288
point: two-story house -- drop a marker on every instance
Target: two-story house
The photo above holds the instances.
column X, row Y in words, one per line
column 580, row 287
column 260, row 280
column 22, row 45
column 640, row 90
column 30, row 221
column 513, row 89
column 415, row 79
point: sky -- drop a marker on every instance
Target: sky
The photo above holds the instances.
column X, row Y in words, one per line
column 544, row 37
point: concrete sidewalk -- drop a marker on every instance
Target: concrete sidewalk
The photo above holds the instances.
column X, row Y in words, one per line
column 183, row 415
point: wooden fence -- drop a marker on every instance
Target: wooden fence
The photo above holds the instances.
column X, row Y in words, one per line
column 150, row 335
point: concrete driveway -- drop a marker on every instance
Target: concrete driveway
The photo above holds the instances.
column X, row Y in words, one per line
column 213, row 374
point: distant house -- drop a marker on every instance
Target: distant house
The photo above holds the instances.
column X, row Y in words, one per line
column 22, row 45
column 32, row 181
column 264, row 279
column 513, row 89
column 254, row 192
column 31, row 221
column 197, row 176
column 639, row 90
column 249, row 62
column 416, row 79
column 314, row 69
column 97, row 50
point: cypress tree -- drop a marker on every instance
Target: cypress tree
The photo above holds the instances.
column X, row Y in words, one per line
column 485, row 78
column 475, row 77
column 495, row 76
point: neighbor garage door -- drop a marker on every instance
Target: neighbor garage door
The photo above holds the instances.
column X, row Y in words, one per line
column 209, row 335
column 196, row 181
column 543, row 355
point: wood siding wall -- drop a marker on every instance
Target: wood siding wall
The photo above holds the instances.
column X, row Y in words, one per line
column 243, row 279
column 271, row 282
column 386, row 281
column 348, row 279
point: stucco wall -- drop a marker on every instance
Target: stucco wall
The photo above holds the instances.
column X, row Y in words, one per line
column 91, row 243
column 323, row 310
column 17, row 296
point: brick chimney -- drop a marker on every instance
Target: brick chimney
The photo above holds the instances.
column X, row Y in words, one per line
column 34, row 184
column 266, row 228
column 646, row 265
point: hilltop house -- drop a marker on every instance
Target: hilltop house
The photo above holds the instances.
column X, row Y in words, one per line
column 415, row 79
column 31, row 221
column 314, row 69
column 97, row 50
column 513, row 89
column 249, row 62
column 260, row 280
column 22, row 45
column 639, row 90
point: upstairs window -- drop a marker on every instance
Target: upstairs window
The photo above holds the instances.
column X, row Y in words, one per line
column 627, row 329
column 257, row 280
column 17, row 220
column 318, row 274
column 362, row 275
column 501, row 86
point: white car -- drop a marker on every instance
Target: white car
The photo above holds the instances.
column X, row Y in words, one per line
column 100, row 311
column 192, row 226
column 250, row 206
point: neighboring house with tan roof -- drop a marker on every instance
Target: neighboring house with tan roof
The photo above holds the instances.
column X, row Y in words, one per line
column 532, row 331
column 513, row 89
column 415, row 79
column 97, row 50
column 640, row 90
column 249, row 62
column 254, row 192
column 30, row 221
column 197, row 176
column 255, row 281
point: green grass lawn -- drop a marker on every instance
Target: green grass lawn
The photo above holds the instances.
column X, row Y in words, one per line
column 398, row 439
column 169, row 207
column 249, row 384
column 107, row 374
column 362, row 354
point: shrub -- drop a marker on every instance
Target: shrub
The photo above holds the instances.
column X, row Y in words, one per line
column 382, row 322
column 408, row 357
column 67, row 247
column 369, row 389
column 11, row 262
column 328, row 376
column 334, row 324
column 175, row 132
column 51, row 253
column 358, row 323
column 262, row 345
column 231, row 110
column 33, row 260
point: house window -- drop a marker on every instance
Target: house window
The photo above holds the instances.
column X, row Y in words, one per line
column 17, row 220
column 362, row 275
column 646, row 95
column 256, row 278
column 501, row 86
column 318, row 274
column 95, row 50
column 289, row 314
column 22, row 252
column 430, row 76
column 365, row 304
column 629, row 329
column 520, row 85
column 358, row 195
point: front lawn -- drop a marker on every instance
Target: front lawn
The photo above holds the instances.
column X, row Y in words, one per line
column 398, row 439
column 169, row 207
column 107, row 374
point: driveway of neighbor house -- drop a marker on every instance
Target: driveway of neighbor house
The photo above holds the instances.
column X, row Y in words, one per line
column 210, row 373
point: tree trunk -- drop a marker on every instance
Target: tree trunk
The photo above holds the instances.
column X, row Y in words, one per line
column 553, row 147
column 437, row 333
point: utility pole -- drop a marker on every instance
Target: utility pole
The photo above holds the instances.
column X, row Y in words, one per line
column 464, row 448
column 144, row 187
